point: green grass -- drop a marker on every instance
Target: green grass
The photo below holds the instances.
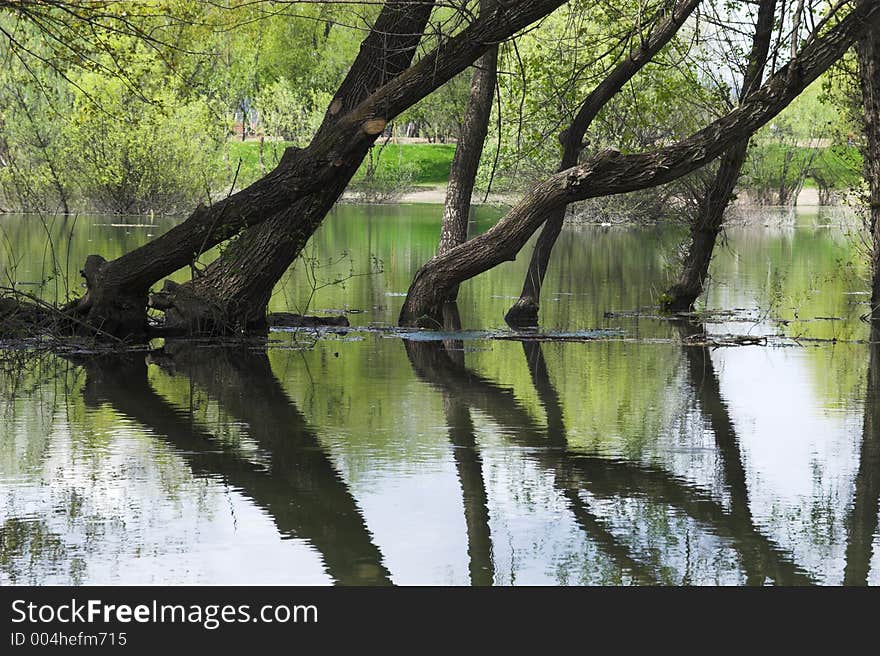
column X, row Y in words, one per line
column 429, row 163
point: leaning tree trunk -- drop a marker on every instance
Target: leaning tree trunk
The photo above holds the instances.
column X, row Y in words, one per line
column 525, row 311
column 233, row 292
column 116, row 299
column 706, row 226
column 468, row 151
column 869, row 75
column 613, row 173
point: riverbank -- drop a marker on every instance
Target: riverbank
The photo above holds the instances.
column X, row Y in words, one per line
column 423, row 169
column 436, row 195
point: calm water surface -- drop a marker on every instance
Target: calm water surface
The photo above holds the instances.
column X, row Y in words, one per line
column 371, row 457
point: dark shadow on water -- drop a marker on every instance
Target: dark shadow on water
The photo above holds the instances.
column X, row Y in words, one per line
column 759, row 563
column 862, row 521
column 469, row 466
column 300, row 489
column 590, row 523
column 295, row 482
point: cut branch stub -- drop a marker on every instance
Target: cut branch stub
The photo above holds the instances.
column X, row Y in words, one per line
column 374, row 126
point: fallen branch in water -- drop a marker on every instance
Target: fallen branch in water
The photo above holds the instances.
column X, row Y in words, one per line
column 22, row 313
column 703, row 339
column 290, row 320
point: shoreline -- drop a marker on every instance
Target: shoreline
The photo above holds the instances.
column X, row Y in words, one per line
column 436, row 195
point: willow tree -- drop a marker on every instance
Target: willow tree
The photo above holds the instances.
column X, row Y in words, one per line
column 272, row 219
column 666, row 24
column 613, row 173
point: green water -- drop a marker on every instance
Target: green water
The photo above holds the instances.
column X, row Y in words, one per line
column 368, row 457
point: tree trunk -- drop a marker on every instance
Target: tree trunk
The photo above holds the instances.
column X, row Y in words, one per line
column 862, row 522
column 707, row 224
column 370, row 96
column 525, row 311
column 233, row 292
column 466, row 161
column 613, row 173
column 468, row 151
column 869, row 76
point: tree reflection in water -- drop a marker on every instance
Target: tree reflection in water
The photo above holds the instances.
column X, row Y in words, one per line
column 301, row 490
column 293, row 479
column 574, row 472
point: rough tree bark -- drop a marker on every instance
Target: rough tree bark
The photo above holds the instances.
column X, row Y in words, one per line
column 868, row 50
column 706, row 226
column 525, row 311
column 466, row 161
column 296, row 195
column 613, row 173
column 230, row 297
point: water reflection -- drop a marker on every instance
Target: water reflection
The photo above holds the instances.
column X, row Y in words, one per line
column 575, row 473
column 862, row 520
column 648, row 524
column 363, row 458
column 760, row 558
column 468, row 465
column 300, row 488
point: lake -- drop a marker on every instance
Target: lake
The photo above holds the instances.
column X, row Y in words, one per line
column 633, row 450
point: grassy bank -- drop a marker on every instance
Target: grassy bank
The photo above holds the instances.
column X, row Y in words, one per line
column 769, row 166
column 420, row 164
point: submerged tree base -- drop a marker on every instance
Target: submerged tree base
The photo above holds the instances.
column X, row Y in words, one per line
column 25, row 317
column 679, row 299
column 523, row 314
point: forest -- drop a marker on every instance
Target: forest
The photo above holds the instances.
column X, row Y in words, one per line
column 455, row 292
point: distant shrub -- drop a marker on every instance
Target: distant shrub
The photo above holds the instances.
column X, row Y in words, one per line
column 132, row 156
